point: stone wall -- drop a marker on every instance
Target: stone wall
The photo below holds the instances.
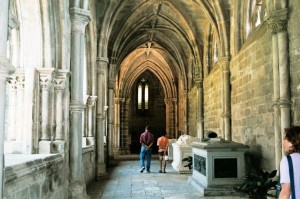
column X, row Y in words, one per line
column 36, row 179
column 193, row 107
column 213, row 100
column 251, row 95
column 89, row 163
column 43, row 176
column 294, row 49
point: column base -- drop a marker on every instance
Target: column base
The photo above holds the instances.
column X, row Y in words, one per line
column 77, row 190
column 45, row 147
column 90, row 140
column 59, row 146
column 101, row 172
column 116, row 152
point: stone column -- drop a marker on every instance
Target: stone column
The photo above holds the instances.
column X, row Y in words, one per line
column 226, row 115
column 116, row 137
column 85, row 120
column 111, row 127
column 184, row 109
column 175, row 104
column 45, row 77
column 12, row 83
column 15, row 142
column 200, row 112
column 281, row 101
column 21, row 144
column 90, row 121
column 102, row 64
column 79, row 20
column 168, row 103
column 59, row 88
column 5, row 70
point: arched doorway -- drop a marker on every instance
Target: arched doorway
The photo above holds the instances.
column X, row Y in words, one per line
column 147, row 108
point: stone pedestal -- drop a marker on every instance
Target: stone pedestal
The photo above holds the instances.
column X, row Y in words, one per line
column 45, row 147
column 59, row 146
column 218, row 166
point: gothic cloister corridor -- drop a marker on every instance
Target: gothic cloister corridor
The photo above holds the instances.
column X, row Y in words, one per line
column 81, row 79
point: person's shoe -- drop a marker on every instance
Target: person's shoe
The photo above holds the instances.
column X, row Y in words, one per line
column 160, row 171
column 142, row 169
column 148, row 172
column 164, row 172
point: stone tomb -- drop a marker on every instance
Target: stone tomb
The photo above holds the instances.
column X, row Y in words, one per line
column 218, row 166
column 181, row 149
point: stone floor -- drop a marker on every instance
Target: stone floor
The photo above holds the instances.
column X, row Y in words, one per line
column 125, row 181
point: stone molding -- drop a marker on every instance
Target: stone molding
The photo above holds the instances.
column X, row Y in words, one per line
column 102, row 59
column 31, row 167
column 75, row 106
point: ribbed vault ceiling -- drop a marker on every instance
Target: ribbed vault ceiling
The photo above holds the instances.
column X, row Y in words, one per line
column 163, row 36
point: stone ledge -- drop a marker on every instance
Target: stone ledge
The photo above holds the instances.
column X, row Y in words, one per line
column 20, row 165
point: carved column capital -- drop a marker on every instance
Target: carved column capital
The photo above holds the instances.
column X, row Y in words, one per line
column 59, row 84
column 92, row 101
column 277, row 21
column 79, row 19
column 277, row 25
column 46, row 78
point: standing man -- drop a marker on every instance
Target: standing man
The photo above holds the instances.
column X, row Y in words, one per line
column 162, row 143
column 146, row 140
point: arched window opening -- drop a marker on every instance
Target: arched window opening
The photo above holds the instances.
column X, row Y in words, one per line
column 215, row 52
column 143, row 95
column 146, row 96
column 140, row 90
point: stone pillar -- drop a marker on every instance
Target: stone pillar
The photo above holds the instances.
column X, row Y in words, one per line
column 79, row 20
column 111, row 128
column 59, row 89
column 184, row 109
column 21, row 144
column 90, row 119
column 12, row 83
column 102, row 64
column 226, row 115
column 5, row 70
column 85, row 120
column 168, row 103
column 175, row 104
column 15, row 142
column 200, row 112
column 281, row 101
column 45, row 77
column 116, row 137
